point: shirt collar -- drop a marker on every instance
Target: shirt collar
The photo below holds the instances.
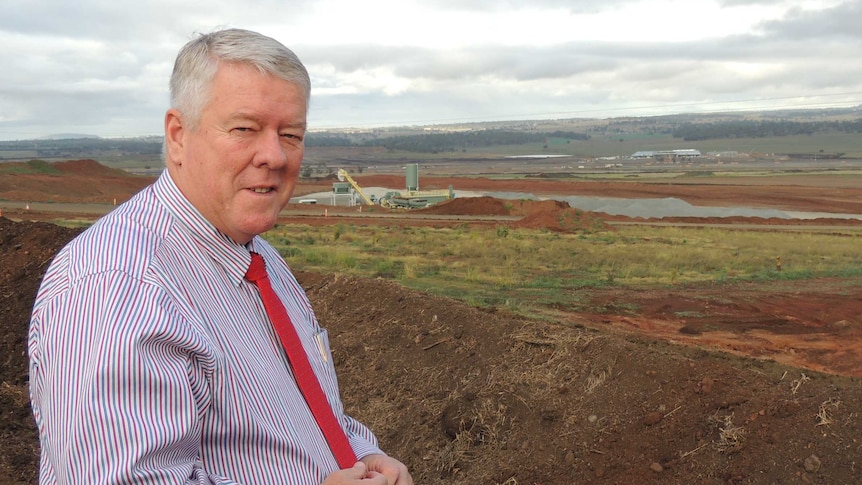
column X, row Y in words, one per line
column 233, row 257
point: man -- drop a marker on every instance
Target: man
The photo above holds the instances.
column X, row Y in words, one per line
column 152, row 356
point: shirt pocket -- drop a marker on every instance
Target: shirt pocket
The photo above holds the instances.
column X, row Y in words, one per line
column 322, row 361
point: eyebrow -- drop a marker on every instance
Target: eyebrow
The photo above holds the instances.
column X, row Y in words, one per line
column 250, row 117
column 302, row 125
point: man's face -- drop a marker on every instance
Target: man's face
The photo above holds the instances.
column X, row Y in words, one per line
column 240, row 165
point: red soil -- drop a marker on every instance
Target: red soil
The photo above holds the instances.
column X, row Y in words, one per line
column 648, row 391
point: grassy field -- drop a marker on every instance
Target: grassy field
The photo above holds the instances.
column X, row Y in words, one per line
column 530, row 271
column 526, row 271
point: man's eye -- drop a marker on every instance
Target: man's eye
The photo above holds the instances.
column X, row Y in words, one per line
column 292, row 136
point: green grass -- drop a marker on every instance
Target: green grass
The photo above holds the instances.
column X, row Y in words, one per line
column 530, row 270
column 73, row 223
column 33, row 167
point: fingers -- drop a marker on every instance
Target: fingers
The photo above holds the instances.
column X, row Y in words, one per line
column 393, row 470
column 359, row 470
column 404, row 477
column 363, row 475
column 375, row 478
column 381, row 470
column 356, row 475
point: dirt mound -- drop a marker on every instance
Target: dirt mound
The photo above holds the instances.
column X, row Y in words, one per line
column 25, row 251
column 552, row 215
column 465, row 396
column 556, row 216
column 76, row 181
column 27, row 248
column 90, row 168
column 470, row 206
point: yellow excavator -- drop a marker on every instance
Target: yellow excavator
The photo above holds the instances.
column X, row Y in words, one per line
column 345, row 177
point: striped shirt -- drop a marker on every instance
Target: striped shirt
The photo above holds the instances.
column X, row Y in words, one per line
column 152, row 359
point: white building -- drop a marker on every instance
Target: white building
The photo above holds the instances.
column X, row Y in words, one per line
column 669, row 154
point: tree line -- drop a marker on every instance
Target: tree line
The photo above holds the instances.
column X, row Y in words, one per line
column 421, row 143
column 82, row 147
column 444, row 142
column 761, row 129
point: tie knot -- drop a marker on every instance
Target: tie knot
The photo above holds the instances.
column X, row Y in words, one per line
column 257, row 268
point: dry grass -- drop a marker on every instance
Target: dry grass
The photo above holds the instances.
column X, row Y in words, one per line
column 598, row 377
column 480, row 434
column 824, row 414
column 547, row 356
column 730, row 436
column 797, row 383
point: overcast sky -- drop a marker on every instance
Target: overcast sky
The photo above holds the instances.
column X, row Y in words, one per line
column 102, row 67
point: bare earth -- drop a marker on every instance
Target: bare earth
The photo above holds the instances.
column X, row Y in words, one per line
column 755, row 384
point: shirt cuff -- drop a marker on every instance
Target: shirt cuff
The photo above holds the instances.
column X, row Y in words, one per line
column 363, row 448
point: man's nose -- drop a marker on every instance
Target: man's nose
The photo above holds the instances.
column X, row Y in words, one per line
column 269, row 150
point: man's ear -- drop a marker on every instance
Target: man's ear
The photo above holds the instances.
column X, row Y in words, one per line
column 174, row 133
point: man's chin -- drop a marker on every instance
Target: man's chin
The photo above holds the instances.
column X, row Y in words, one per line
column 248, row 229
column 262, row 225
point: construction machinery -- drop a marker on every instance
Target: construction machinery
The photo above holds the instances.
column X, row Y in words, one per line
column 345, row 177
column 412, row 198
column 415, row 199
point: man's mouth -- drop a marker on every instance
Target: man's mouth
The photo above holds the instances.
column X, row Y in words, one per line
column 262, row 190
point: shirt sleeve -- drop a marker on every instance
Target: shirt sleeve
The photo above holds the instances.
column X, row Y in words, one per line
column 361, row 439
column 118, row 385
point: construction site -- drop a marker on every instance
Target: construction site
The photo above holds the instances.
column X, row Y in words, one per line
column 347, row 191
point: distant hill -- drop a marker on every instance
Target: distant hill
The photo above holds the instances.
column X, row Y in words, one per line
column 68, row 136
column 785, row 131
column 85, row 146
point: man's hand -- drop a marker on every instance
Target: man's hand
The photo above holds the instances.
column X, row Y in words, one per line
column 358, row 475
column 372, row 470
column 394, row 471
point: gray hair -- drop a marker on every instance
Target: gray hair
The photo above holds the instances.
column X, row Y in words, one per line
column 198, row 61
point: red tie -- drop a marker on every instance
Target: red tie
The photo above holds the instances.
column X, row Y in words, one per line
column 305, row 377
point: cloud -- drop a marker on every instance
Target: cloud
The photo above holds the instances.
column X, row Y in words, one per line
column 838, row 23
column 104, row 66
column 583, row 6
